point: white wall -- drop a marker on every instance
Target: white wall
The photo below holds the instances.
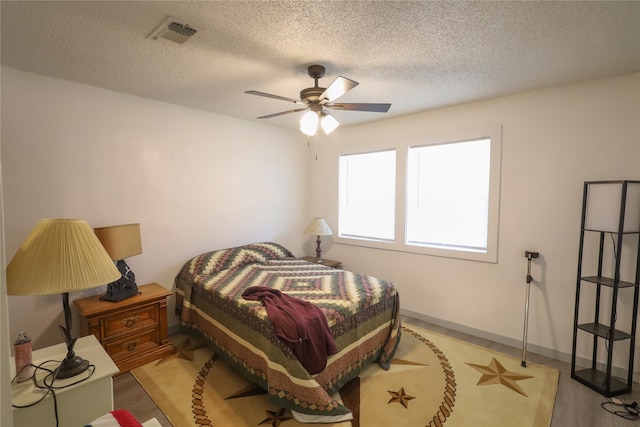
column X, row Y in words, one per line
column 194, row 181
column 197, row 181
column 553, row 141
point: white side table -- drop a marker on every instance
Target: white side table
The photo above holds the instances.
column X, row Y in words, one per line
column 78, row 404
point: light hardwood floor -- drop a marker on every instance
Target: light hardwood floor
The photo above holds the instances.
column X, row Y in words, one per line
column 575, row 406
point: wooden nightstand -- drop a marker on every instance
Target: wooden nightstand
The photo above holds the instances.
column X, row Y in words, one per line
column 327, row 262
column 132, row 331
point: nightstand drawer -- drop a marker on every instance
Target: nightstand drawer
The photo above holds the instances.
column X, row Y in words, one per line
column 129, row 320
column 132, row 345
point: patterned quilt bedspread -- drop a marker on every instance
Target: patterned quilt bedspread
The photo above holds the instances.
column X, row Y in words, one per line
column 362, row 313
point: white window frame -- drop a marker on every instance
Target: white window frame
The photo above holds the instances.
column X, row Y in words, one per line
column 399, row 243
column 343, row 198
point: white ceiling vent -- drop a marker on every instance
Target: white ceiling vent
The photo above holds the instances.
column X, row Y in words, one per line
column 173, row 30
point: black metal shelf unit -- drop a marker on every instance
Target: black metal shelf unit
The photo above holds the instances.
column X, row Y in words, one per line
column 623, row 225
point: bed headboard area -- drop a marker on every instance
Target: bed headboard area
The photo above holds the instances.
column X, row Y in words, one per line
column 222, row 259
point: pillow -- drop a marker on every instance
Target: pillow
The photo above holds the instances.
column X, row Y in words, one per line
column 215, row 261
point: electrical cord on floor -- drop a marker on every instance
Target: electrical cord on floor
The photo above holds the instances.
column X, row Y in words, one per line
column 628, row 411
column 47, row 384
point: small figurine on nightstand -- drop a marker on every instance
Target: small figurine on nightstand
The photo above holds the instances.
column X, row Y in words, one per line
column 123, row 288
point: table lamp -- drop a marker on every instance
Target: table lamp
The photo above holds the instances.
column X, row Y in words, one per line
column 61, row 256
column 120, row 242
column 605, row 200
column 318, row 227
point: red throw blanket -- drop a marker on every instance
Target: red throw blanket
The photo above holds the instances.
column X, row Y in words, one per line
column 117, row 418
column 300, row 325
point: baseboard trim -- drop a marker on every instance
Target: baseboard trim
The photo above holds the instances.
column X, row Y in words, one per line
column 543, row 351
column 531, row 348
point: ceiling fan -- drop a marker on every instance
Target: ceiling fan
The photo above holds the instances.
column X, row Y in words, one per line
column 317, row 100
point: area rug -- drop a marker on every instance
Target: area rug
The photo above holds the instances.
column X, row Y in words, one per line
column 434, row 380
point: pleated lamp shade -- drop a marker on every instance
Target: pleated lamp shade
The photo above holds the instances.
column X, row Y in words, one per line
column 318, row 227
column 60, row 255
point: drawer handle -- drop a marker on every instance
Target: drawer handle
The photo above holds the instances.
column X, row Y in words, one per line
column 130, row 321
column 131, row 345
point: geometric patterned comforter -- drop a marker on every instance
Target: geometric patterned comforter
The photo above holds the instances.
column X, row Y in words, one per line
column 362, row 314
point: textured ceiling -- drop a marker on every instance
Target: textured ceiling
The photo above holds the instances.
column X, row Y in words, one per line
column 415, row 55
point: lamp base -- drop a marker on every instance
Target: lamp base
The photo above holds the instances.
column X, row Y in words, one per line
column 116, row 294
column 71, row 366
column 318, row 251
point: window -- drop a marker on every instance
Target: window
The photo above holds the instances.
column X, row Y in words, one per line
column 367, row 195
column 448, row 195
column 436, row 197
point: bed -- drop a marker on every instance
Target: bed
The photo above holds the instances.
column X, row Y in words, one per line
column 362, row 313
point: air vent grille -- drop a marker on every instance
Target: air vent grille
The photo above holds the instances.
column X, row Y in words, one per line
column 173, row 30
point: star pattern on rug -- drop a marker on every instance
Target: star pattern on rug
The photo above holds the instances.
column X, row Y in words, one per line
column 400, row 396
column 495, row 373
column 404, row 362
column 250, row 390
column 184, row 350
column 212, row 383
column 275, row 418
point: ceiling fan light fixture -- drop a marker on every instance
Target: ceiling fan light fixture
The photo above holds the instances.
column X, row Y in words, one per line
column 309, row 123
column 316, row 99
column 328, row 123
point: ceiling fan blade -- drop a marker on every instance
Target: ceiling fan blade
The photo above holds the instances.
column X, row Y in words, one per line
column 374, row 108
column 339, row 87
column 268, row 95
column 268, row 116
